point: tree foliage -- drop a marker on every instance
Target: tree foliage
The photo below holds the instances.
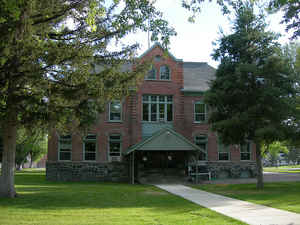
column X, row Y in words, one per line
column 253, row 96
column 290, row 8
column 48, row 51
column 31, row 145
column 291, row 17
column 271, row 152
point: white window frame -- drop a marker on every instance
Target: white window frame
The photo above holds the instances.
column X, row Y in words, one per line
column 157, row 103
column 205, row 112
column 60, row 138
column 109, row 141
column 109, row 111
column 248, row 143
column 206, row 143
column 155, row 74
column 223, row 149
column 160, row 72
column 85, row 140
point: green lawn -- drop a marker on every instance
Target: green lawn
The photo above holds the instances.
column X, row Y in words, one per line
column 281, row 195
column 283, row 169
column 43, row 203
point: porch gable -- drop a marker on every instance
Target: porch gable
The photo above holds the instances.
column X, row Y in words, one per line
column 165, row 139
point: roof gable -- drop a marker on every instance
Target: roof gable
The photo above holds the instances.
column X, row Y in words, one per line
column 165, row 139
column 159, row 46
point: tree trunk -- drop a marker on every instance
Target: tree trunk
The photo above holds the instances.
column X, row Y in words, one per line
column 7, row 188
column 260, row 180
column 30, row 163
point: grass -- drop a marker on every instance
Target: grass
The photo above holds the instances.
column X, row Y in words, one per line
column 283, row 169
column 283, row 195
column 42, row 202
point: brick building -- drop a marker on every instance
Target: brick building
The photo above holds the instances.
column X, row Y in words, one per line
column 159, row 131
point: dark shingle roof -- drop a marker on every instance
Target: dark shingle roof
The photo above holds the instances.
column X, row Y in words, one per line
column 196, row 76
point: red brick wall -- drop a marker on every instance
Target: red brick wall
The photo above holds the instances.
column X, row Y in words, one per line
column 131, row 129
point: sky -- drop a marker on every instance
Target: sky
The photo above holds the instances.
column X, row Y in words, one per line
column 194, row 41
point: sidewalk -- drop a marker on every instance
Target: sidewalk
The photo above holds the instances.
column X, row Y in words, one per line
column 250, row 213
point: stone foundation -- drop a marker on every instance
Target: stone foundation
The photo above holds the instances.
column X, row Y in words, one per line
column 119, row 171
column 87, row 171
column 222, row 170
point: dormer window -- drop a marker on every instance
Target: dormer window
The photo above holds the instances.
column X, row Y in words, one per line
column 164, row 73
column 151, row 74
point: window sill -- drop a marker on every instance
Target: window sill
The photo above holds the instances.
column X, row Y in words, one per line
column 168, row 122
column 151, row 79
column 69, row 160
column 157, row 80
column 198, row 122
column 115, row 121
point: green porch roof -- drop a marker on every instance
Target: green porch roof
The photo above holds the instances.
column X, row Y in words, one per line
column 165, row 139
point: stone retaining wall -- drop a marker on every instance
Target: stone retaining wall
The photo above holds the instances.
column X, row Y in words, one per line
column 87, row 171
column 232, row 169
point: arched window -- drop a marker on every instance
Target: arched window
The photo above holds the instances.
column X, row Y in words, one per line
column 151, row 74
column 164, row 73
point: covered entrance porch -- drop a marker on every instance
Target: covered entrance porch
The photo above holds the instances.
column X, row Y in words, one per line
column 161, row 158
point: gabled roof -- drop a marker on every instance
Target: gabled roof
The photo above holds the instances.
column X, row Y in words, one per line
column 159, row 45
column 165, row 139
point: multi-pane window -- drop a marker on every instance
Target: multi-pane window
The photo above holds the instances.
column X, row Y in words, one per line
column 157, row 108
column 245, row 151
column 89, row 147
column 224, row 151
column 151, row 74
column 201, row 141
column 164, row 73
column 115, row 111
column 114, row 145
column 199, row 112
column 65, row 148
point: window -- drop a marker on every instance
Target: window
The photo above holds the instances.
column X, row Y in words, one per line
column 164, row 73
column 245, row 150
column 151, row 74
column 65, row 148
column 223, row 150
column 115, row 111
column 199, row 112
column 114, row 146
column 157, row 58
column 201, row 141
column 89, row 147
column 157, row 108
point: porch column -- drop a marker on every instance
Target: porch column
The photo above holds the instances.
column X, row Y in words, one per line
column 132, row 168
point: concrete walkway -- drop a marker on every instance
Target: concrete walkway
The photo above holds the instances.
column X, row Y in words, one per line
column 241, row 210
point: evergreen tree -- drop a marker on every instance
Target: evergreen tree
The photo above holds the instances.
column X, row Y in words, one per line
column 254, row 94
column 48, row 48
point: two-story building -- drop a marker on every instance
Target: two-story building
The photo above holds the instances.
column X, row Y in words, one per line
column 159, row 131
